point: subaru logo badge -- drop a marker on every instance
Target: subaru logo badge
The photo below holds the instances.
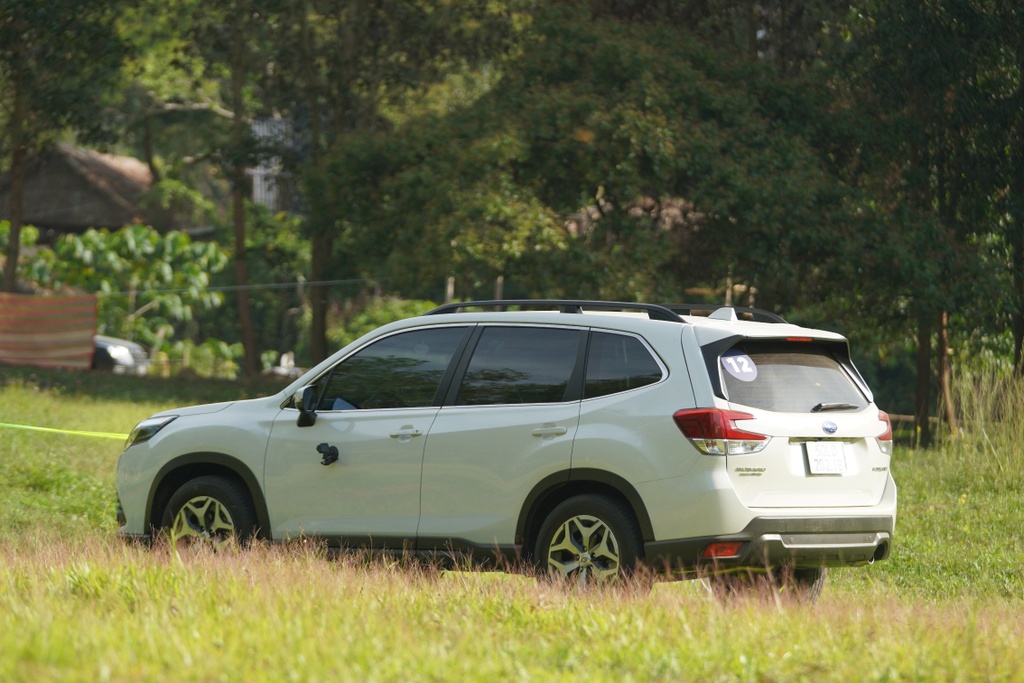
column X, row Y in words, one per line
column 830, row 427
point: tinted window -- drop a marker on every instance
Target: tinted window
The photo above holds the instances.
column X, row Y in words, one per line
column 618, row 362
column 400, row 371
column 520, row 365
column 787, row 377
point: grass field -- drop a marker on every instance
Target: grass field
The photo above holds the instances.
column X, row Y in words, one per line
column 78, row 605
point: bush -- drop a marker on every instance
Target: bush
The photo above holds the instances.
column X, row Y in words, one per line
column 213, row 358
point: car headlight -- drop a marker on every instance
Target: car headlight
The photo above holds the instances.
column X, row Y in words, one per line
column 122, row 354
column 147, row 429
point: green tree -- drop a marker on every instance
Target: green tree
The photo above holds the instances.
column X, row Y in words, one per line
column 191, row 102
column 342, row 68
column 279, row 265
column 58, row 61
column 171, row 106
column 234, row 37
column 628, row 159
column 1002, row 70
column 927, row 72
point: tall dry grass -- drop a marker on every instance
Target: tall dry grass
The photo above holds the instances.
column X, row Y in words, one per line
column 990, row 435
column 99, row 610
column 78, row 605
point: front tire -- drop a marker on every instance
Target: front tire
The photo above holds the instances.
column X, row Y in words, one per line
column 589, row 539
column 210, row 510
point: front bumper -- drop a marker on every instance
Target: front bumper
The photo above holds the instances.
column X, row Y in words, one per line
column 122, row 527
column 774, row 541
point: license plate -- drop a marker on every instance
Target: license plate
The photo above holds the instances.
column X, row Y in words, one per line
column 826, row 457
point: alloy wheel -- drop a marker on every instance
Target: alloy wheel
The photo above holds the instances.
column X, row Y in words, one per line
column 206, row 520
column 585, row 549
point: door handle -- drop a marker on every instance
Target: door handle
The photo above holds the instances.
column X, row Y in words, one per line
column 549, row 430
column 406, row 432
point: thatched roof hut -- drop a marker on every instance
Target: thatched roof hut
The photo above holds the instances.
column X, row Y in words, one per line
column 70, row 189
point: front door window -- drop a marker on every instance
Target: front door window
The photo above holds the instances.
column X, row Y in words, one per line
column 400, row 371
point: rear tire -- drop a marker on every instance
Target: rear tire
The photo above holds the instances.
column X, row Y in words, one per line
column 589, row 539
column 805, row 584
column 210, row 510
column 797, row 584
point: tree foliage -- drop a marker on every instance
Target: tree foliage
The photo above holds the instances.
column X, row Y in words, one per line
column 342, row 67
column 943, row 82
column 58, row 60
column 634, row 159
column 62, row 57
column 279, row 257
column 147, row 284
column 854, row 166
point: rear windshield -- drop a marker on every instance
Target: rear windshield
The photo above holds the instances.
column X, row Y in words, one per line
column 788, row 377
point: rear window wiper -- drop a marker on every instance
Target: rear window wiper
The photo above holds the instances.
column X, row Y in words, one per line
column 825, row 407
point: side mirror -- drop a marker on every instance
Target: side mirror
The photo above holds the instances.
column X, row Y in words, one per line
column 305, row 400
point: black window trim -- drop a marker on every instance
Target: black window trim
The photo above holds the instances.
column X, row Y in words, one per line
column 448, row 387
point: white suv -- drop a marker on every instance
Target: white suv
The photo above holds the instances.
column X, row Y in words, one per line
column 585, row 437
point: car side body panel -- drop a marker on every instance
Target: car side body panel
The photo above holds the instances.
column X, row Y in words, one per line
column 371, row 491
column 481, row 461
column 235, row 432
column 456, row 475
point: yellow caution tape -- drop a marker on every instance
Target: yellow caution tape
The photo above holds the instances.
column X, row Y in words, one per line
column 100, row 435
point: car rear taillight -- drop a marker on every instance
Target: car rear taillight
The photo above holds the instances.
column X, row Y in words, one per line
column 714, row 431
column 885, row 440
column 722, row 549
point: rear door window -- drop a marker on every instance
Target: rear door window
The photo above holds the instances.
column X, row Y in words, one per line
column 515, row 365
column 788, row 377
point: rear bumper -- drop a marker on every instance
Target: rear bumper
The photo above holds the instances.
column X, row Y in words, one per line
column 772, row 541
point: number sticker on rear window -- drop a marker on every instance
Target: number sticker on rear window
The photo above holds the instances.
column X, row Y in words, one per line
column 739, row 365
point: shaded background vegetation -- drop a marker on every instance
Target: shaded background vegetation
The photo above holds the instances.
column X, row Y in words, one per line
column 853, row 166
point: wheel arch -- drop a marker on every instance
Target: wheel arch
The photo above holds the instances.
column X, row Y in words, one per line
column 189, row 466
column 555, row 488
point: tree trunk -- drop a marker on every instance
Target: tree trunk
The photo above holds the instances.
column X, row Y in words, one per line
column 752, row 25
column 1016, row 229
column 1015, row 225
column 147, row 146
column 922, row 394
column 946, row 376
column 1017, row 318
column 321, row 244
column 16, row 196
column 251, row 362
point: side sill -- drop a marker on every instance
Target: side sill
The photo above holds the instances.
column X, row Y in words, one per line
column 134, row 537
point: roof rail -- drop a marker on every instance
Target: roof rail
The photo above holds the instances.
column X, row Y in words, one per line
column 654, row 311
column 726, row 312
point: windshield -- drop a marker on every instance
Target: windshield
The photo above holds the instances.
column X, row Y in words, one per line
column 788, row 377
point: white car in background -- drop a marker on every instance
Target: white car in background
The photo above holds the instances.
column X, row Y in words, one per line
column 120, row 356
column 587, row 438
